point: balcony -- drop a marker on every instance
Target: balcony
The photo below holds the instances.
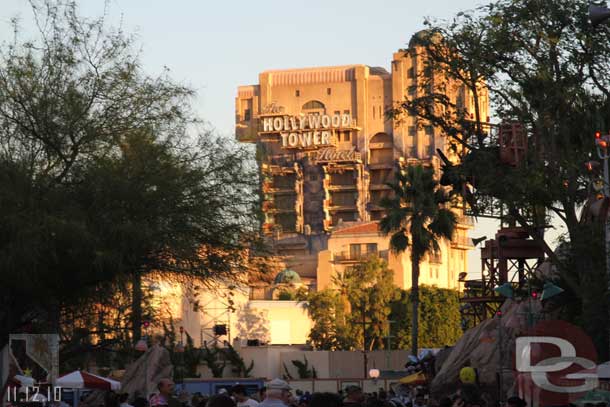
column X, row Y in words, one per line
column 381, row 166
column 347, row 257
column 342, row 187
column 342, row 208
column 465, row 222
column 379, row 187
column 462, row 242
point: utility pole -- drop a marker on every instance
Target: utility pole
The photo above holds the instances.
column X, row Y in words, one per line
column 364, row 323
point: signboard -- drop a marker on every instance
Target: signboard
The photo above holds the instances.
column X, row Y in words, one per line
column 330, row 154
column 305, row 131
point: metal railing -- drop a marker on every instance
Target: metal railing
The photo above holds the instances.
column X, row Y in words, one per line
column 362, row 256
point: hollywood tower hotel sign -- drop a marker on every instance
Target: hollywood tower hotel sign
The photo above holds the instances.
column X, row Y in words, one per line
column 310, row 132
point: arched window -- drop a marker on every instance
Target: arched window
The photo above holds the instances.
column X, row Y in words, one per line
column 381, row 138
column 313, row 105
column 381, row 149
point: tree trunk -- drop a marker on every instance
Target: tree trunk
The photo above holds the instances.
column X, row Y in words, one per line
column 136, row 306
column 415, row 305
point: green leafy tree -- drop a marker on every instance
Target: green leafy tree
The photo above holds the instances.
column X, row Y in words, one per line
column 417, row 218
column 439, row 318
column 551, row 76
column 324, row 308
column 361, row 298
column 106, row 177
column 370, row 289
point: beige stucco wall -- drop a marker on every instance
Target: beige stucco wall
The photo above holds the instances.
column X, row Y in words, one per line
column 442, row 274
column 269, row 361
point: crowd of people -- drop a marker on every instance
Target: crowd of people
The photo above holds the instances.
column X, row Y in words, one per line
column 278, row 393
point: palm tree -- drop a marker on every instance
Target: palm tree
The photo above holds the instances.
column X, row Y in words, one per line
column 416, row 217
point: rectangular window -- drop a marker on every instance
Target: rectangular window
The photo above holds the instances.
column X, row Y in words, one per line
column 412, row 131
column 373, row 112
column 354, row 251
column 337, row 112
column 411, row 73
column 346, row 112
column 328, row 91
column 297, row 93
column 371, row 248
column 247, row 114
column 430, row 130
column 338, row 136
column 346, row 136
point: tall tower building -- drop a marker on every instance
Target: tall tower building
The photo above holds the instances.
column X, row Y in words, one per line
column 326, row 149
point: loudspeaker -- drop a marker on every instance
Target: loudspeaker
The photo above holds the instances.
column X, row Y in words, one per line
column 220, row 330
column 253, row 342
column 478, row 240
column 598, row 14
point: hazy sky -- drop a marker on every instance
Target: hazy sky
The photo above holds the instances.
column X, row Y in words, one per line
column 214, row 46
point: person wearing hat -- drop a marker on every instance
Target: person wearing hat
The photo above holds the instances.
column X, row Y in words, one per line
column 278, row 394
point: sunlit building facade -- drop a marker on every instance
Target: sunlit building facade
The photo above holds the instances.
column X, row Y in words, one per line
column 326, row 149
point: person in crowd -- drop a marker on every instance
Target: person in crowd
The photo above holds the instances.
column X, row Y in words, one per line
column 185, row 399
column 354, row 398
column 195, row 399
column 261, row 394
column 305, row 399
column 123, row 397
column 164, row 398
column 469, row 396
column 241, row 397
column 277, row 395
column 383, row 395
column 221, row 400
column 140, row 402
column 203, row 401
column 394, row 400
column 515, row 401
column 419, row 400
column 111, row 399
column 325, row 400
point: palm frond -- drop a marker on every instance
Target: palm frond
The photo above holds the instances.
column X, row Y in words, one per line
column 399, row 242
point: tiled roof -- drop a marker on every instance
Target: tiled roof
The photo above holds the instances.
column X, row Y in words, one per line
column 360, row 228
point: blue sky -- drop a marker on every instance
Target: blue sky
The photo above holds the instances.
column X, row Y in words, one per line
column 215, row 46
